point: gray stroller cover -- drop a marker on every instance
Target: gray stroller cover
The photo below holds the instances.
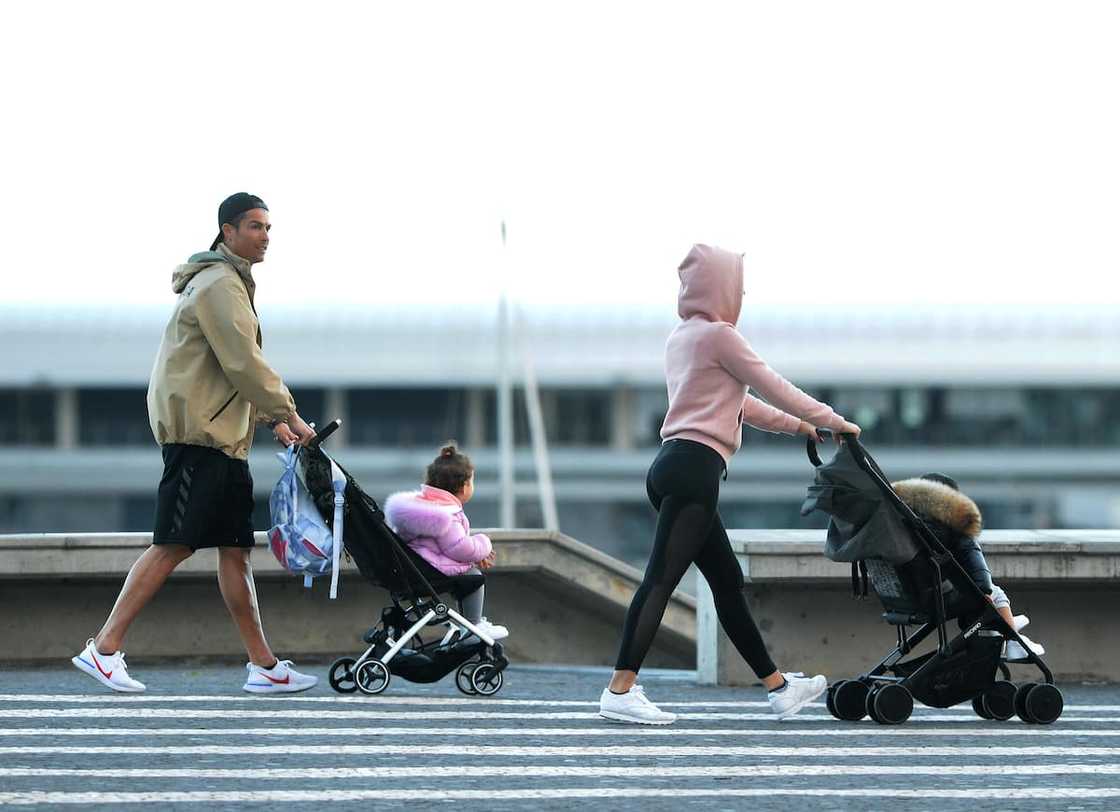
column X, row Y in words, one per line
column 862, row 523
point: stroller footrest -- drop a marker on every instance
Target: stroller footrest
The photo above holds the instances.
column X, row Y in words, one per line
column 905, row 618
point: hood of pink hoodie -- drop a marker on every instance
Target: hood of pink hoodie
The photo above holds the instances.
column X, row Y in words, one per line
column 711, row 284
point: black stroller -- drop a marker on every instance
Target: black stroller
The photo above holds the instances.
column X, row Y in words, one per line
column 395, row 645
column 919, row 584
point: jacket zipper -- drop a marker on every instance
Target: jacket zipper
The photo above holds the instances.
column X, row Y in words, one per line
column 224, row 405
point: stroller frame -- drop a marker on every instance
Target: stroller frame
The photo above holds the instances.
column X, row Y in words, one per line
column 893, row 706
column 479, row 663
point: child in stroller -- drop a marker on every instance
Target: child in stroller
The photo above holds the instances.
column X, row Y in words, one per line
column 956, row 521
column 432, row 522
column 396, row 645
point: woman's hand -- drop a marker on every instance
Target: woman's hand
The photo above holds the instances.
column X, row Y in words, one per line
column 488, row 562
column 848, row 428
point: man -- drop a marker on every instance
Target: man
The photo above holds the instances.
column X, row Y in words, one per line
column 209, row 386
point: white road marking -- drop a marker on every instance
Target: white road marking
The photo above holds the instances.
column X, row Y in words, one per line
column 632, row 751
column 199, row 713
column 560, row 771
column 989, row 729
column 488, row 795
column 150, row 698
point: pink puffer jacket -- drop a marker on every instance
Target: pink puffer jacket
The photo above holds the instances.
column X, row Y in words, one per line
column 433, row 523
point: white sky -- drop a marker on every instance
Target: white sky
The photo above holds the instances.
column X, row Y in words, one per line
column 866, row 152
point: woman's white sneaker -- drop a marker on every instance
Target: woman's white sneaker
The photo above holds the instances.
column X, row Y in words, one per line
column 633, row 706
column 108, row 669
column 280, row 679
column 798, row 693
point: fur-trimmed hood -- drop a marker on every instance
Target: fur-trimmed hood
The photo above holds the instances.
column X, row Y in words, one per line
column 941, row 503
column 411, row 515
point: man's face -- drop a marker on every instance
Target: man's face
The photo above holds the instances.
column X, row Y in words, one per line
column 250, row 238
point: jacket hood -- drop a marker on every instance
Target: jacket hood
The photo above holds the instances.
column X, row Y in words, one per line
column 711, row 284
column 183, row 274
column 413, row 516
column 941, row 503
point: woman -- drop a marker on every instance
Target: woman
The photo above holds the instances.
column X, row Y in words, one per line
column 708, row 368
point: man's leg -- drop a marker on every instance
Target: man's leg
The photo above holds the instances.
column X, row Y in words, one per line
column 235, row 579
column 143, row 582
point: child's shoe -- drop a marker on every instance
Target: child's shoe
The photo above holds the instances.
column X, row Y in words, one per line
column 1013, row 652
column 493, row 629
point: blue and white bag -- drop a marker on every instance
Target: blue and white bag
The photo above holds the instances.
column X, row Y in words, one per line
column 300, row 539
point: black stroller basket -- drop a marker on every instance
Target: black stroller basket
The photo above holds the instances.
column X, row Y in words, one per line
column 920, row 584
column 395, row 644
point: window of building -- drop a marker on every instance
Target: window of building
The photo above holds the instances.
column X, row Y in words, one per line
column 27, row 417
column 418, row 417
column 113, row 417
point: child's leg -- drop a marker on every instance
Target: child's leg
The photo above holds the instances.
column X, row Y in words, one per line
column 1002, row 604
column 470, row 605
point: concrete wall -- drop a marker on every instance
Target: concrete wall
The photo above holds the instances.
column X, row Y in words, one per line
column 1068, row 582
column 563, row 602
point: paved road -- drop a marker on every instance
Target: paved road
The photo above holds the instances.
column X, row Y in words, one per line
column 194, row 741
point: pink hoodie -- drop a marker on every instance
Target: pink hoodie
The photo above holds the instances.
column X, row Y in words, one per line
column 709, row 366
column 433, row 524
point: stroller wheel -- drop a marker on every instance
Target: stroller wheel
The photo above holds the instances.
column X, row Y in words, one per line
column 341, row 675
column 373, row 677
column 1044, row 703
column 463, row 678
column 486, row 679
column 999, row 701
column 978, row 707
column 829, row 701
column 890, row 704
column 850, row 700
column 1021, row 709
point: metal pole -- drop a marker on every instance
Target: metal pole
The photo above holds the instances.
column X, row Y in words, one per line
column 537, row 435
column 507, row 514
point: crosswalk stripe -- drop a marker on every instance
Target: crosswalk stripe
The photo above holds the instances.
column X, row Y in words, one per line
column 198, row 713
column 389, row 699
column 989, row 729
column 490, row 795
column 629, row 750
column 563, row 771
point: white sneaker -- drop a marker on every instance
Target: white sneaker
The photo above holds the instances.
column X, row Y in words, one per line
column 280, row 679
column 633, row 706
column 108, row 669
column 494, row 630
column 1013, row 652
column 1020, row 622
column 798, row 693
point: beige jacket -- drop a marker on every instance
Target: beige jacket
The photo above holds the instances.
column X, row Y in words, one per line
column 210, row 382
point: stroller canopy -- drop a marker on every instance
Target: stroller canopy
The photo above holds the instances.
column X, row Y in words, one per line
column 863, row 524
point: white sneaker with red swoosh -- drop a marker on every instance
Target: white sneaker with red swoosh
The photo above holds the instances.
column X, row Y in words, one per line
column 108, row 669
column 280, row 679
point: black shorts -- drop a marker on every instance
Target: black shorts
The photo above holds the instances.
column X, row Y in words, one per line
column 205, row 499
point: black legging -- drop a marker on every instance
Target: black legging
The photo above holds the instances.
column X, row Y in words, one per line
column 683, row 485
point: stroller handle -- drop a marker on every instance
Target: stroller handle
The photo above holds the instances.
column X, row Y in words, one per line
column 325, row 432
column 811, row 444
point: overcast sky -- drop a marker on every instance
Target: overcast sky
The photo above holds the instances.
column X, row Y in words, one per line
column 867, row 152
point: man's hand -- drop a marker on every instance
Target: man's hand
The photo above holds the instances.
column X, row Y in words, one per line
column 303, row 432
column 292, row 432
